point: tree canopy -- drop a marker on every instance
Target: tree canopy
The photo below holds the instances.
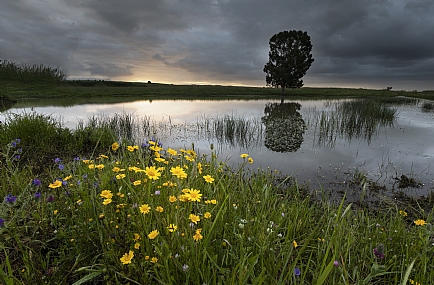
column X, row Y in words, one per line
column 289, row 59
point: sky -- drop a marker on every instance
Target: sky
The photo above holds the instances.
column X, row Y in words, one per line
column 357, row 44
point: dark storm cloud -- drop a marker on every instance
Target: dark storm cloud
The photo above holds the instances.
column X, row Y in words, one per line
column 355, row 43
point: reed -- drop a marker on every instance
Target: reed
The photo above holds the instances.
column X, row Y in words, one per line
column 356, row 119
column 12, row 71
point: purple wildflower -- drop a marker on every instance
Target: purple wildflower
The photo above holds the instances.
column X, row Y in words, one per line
column 61, row 166
column 336, row 263
column 2, row 222
column 20, row 150
column 77, row 158
column 379, row 251
column 297, row 271
column 11, row 198
column 36, row 182
column 14, row 144
column 37, row 195
column 17, row 157
column 50, row 198
column 64, row 182
column 157, row 192
column 145, row 145
column 57, row 160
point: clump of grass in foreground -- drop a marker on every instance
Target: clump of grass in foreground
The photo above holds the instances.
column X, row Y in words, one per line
column 43, row 138
column 145, row 215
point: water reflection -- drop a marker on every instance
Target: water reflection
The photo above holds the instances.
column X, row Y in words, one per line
column 284, row 127
column 393, row 138
column 357, row 119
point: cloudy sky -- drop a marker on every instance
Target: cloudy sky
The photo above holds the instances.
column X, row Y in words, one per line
column 362, row 44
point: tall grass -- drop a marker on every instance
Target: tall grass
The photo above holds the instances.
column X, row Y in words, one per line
column 232, row 130
column 43, row 138
column 12, row 71
column 357, row 119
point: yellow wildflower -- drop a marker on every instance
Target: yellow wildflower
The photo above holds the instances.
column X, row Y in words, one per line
column 153, row 234
column 106, row 194
column 67, row 178
column 152, row 172
column 172, row 199
column 127, row 257
column 294, row 243
column 137, row 245
column 420, row 222
column 100, row 166
column 194, row 195
column 154, row 260
column 172, row 228
column 144, row 209
column 244, row 155
column 159, row 209
column 207, row 215
column 136, row 237
column 250, row 160
column 115, row 146
column 107, row 201
column 197, row 236
column 137, row 182
column 178, row 172
column 55, row 184
column 194, row 218
column 208, row 178
column 172, row 151
column 120, row 176
column 159, row 159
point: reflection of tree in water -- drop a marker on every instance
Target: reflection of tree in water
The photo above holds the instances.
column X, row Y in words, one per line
column 284, row 127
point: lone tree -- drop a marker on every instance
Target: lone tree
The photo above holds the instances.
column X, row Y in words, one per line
column 289, row 59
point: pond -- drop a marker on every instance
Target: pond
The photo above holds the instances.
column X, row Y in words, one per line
column 327, row 144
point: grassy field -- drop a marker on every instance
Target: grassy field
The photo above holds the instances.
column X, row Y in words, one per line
column 74, row 89
column 87, row 208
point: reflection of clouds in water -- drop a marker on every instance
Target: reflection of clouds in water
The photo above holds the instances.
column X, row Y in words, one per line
column 408, row 145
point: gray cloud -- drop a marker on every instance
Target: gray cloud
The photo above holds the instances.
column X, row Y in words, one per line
column 370, row 44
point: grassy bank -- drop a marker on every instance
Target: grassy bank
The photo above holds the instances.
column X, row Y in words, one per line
column 117, row 213
column 80, row 89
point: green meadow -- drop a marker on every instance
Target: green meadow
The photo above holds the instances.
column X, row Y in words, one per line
column 87, row 206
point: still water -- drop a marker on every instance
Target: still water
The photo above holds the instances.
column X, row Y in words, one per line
column 320, row 142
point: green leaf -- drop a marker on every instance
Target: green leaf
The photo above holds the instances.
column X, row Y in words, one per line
column 88, row 277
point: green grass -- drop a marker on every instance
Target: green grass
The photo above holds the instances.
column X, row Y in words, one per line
column 253, row 228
